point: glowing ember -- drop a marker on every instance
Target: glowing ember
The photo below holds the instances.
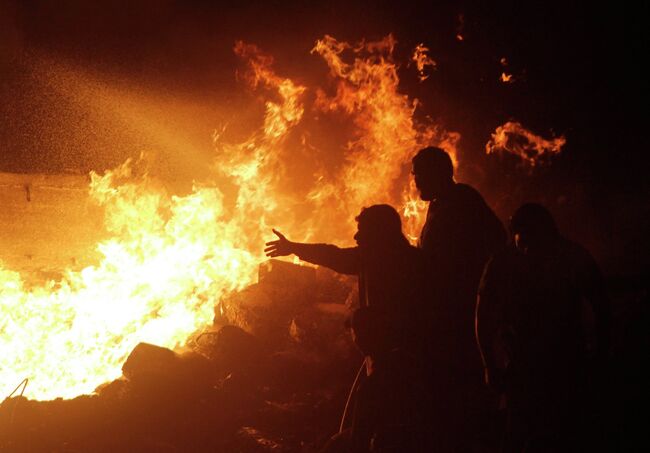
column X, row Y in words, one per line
column 505, row 77
column 460, row 27
column 422, row 60
column 532, row 149
column 170, row 259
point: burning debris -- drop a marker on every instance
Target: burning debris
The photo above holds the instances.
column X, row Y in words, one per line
column 422, row 60
column 254, row 388
column 168, row 260
column 460, row 27
column 137, row 311
column 532, row 150
column 181, row 314
column 506, row 77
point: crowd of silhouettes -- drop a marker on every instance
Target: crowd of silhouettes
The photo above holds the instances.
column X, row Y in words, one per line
column 466, row 322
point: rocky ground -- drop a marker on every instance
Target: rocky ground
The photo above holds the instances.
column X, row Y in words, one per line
column 272, row 374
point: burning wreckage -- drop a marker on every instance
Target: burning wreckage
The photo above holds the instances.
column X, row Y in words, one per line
column 271, row 385
column 135, row 320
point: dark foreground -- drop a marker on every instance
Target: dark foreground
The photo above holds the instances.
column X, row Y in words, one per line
column 272, row 375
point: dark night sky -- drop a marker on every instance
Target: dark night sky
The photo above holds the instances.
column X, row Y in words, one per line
column 578, row 72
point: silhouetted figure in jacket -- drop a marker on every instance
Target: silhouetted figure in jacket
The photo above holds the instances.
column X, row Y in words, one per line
column 531, row 330
column 460, row 234
column 389, row 405
column 386, row 404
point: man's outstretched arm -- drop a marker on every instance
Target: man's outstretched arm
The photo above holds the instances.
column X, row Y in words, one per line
column 341, row 260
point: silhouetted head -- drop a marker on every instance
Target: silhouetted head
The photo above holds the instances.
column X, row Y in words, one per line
column 433, row 172
column 533, row 227
column 378, row 226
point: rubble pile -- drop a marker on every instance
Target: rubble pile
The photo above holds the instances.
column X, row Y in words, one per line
column 271, row 374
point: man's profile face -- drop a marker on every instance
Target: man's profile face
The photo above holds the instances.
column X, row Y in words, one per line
column 367, row 236
column 362, row 235
column 427, row 182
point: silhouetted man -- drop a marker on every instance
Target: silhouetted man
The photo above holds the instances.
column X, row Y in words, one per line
column 460, row 234
column 385, row 406
column 530, row 327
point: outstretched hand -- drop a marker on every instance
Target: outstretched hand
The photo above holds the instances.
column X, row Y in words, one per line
column 280, row 247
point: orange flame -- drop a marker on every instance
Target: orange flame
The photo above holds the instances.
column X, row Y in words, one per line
column 505, row 77
column 279, row 117
column 532, row 149
column 388, row 134
column 460, row 27
column 171, row 259
column 422, row 60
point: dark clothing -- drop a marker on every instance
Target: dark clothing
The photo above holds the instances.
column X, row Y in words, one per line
column 460, row 234
column 531, row 329
column 389, row 400
column 386, row 408
column 389, row 404
column 389, row 279
column 534, row 304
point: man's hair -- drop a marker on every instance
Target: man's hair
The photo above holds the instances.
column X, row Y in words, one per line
column 382, row 217
column 533, row 218
column 433, row 159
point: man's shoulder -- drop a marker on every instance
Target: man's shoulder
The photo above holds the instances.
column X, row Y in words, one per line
column 465, row 190
column 467, row 196
column 577, row 253
column 412, row 252
column 469, row 200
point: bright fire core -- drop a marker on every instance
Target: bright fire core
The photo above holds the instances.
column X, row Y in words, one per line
column 170, row 259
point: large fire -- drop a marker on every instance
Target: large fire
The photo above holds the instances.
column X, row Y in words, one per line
column 170, row 259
